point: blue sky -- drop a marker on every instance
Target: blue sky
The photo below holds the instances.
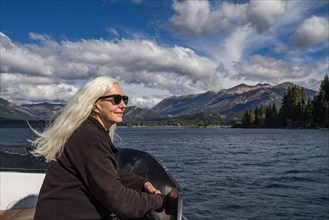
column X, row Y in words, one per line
column 159, row 48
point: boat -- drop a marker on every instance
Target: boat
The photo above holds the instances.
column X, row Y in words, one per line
column 22, row 174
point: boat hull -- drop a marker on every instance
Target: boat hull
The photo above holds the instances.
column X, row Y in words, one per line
column 20, row 185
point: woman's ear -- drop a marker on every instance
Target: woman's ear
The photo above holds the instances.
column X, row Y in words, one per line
column 95, row 108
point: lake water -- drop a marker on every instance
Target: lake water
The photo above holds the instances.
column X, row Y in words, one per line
column 235, row 173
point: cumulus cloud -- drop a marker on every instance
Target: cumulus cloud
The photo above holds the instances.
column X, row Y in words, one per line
column 200, row 18
column 269, row 69
column 34, row 88
column 17, row 59
column 197, row 17
column 175, row 69
column 310, row 83
column 311, row 31
column 264, row 14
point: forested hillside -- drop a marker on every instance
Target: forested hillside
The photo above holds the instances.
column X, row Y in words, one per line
column 295, row 110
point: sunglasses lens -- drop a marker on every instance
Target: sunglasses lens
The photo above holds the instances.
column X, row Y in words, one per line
column 125, row 99
column 117, row 99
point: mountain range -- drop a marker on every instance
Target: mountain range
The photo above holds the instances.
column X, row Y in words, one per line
column 233, row 101
column 12, row 114
column 236, row 99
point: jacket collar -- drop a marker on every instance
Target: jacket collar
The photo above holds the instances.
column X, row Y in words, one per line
column 100, row 127
column 97, row 123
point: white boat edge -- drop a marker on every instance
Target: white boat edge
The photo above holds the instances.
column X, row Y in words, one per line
column 19, row 190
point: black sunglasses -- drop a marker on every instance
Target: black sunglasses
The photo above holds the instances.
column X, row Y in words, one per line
column 116, row 98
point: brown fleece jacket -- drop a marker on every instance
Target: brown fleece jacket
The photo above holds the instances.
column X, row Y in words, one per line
column 86, row 183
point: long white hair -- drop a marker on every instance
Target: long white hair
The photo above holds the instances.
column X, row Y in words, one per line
column 51, row 141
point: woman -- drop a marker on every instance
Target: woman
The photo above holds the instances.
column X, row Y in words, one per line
column 83, row 180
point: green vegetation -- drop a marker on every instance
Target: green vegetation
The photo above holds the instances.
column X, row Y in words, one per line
column 295, row 111
column 198, row 120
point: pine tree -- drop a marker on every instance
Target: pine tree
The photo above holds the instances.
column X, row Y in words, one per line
column 308, row 114
column 258, row 116
column 246, row 119
column 275, row 112
column 292, row 107
column 321, row 105
column 325, row 88
column 271, row 116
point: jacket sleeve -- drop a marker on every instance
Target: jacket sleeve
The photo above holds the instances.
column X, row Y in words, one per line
column 99, row 171
column 132, row 180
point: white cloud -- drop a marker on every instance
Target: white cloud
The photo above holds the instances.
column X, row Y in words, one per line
column 18, row 59
column 270, row 70
column 310, row 84
column 238, row 46
column 264, row 14
column 177, row 70
column 139, row 95
column 234, row 46
column 311, row 31
column 34, row 88
column 197, row 17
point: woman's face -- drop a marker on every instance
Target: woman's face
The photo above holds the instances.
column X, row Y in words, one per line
column 106, row 111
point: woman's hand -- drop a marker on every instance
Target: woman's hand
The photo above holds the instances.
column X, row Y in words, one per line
column 150, row 188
